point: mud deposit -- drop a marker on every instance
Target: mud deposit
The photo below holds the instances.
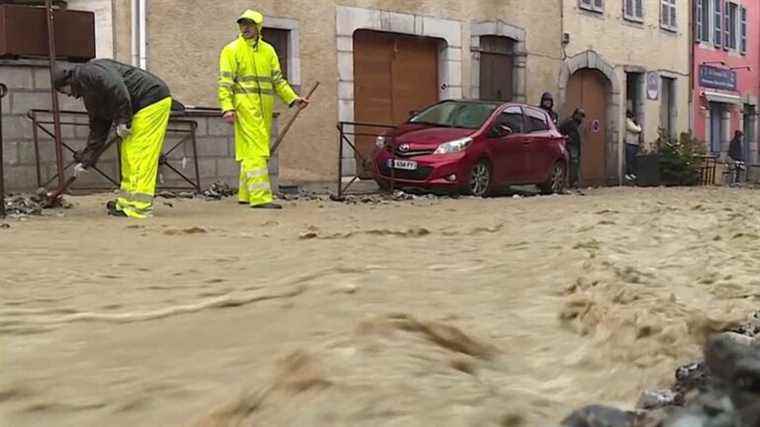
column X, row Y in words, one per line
column 469, row 312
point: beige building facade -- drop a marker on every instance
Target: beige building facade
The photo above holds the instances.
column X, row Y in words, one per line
column 378, row 60
column 438, row 50
column 636, row 52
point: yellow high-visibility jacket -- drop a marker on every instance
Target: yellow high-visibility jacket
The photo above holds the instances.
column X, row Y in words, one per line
column 249, row 76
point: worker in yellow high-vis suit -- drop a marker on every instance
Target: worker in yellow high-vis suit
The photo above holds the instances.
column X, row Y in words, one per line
column 249, row 77
column 138, row 104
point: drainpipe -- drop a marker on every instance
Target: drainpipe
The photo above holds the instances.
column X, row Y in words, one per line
column 143, row 23
column 134, row 32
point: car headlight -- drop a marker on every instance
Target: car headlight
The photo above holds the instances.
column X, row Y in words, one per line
column 380, row 142
column 453, row 146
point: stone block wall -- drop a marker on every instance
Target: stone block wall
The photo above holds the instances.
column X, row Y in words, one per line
column 28, row 84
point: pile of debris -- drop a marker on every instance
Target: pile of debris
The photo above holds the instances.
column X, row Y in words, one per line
column 19, row 205
column 723, row 390
column 215, row 191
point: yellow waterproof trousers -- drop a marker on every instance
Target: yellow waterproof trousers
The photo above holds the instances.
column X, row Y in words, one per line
column 254, row 185
column 139, row 159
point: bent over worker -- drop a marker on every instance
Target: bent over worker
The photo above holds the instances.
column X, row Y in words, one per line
column 249, row 76
column 138, row 104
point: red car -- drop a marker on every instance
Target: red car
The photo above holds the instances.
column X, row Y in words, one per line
column 473, row 146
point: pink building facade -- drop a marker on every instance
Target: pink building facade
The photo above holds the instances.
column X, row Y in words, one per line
column 726, row 74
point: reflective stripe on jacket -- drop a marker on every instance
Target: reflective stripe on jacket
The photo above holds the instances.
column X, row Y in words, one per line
column 249, row 76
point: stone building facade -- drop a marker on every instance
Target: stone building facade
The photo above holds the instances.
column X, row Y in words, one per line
column 624, row 55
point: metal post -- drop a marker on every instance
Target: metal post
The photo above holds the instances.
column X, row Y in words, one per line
column 54, row 94
column 194, row 127
column 340, row 160
column 3, row 92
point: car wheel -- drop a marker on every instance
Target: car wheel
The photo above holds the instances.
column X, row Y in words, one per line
column 556, row 181
column 480, row 179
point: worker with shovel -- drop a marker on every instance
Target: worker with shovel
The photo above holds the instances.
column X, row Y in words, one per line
column 249, row 77
column 138, row 104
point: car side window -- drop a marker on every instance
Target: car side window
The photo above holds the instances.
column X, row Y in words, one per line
column 537, row 120
column 512, row 117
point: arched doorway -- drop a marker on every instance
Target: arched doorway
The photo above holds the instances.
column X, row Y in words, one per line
column 589, row 89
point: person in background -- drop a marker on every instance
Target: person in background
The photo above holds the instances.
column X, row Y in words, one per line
column 547, row 104
column 632, row 139
column 736, row 154
column 571, row 129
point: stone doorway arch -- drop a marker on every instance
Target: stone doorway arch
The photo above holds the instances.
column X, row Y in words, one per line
column 591, row 60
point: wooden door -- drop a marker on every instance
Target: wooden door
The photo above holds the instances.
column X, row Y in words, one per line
column 393, row 75
column 496, row 68
column 589, row 89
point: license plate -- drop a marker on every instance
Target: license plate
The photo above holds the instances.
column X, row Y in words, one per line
column 403, row 164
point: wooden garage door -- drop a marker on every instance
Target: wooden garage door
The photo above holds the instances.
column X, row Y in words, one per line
column 496, row 68
column 588, row 89
column 393, row 75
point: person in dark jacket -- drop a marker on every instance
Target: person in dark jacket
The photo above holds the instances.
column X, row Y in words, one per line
column 547, row 104
column 571, row 129
column 137, row 104
column 736, row 153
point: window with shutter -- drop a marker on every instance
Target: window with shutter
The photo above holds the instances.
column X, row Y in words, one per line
column 633, row 10
column 668, row 15
column 592, row 5
column 743, row 43
column 726, row 25
column 699, row 20
column 706, row 12
column 732, row 24
column 718, row 19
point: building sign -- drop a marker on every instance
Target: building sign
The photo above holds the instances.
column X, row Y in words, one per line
column 653, row 86
column 596, row 126
column 717, row 78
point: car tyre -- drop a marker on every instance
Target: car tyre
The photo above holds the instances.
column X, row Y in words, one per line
column 555, row 184
column 480, row 179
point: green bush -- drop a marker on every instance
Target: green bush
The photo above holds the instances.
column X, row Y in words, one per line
column 680, row 159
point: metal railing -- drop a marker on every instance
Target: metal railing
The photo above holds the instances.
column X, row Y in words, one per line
column 347, row 133
column 176, row 126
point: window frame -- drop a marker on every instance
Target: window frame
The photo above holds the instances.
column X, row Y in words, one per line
column 732, row 25
column 717, row 28
column 743, row 30
column 634, row 17
column 671, row 15
column 703, row 20
column 596, row 6
column 510, row 110
column 536, row 112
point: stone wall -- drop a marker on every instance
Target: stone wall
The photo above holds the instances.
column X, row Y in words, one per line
column 29, row 82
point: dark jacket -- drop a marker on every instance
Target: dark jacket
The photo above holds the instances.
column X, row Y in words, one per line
column 735, row 149
column 570, row 129
column 112, row 93
column 548, row 96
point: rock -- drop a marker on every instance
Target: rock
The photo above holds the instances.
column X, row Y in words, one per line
column 655, row 399
column 3, row 226
column 599, row 416
column 723, row 351
column 691, row 376
column 710, row 409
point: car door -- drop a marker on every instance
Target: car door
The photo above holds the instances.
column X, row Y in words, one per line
column 538, row 149
column 508, row 150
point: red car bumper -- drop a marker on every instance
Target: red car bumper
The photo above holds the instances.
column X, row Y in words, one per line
column 445, row 171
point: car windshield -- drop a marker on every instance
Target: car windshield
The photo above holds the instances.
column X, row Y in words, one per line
column 467, row 115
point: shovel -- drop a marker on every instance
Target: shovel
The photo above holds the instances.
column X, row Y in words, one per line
column 54, row 197
column 290, row 122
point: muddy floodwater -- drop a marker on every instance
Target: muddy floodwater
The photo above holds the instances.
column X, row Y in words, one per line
column 469, row 312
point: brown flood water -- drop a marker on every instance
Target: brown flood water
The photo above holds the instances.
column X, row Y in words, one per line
column 468, row 312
